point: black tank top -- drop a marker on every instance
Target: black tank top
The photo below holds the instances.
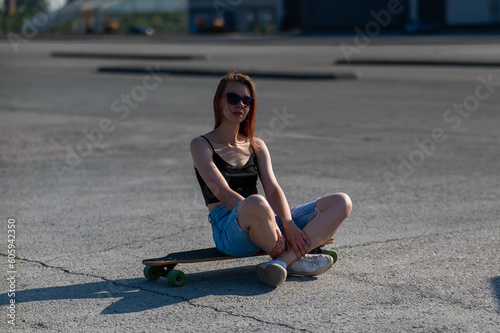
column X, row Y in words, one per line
column 242, row 180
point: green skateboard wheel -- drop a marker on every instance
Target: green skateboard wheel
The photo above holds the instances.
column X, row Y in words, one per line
column 176, row 278
column 332, row 253
column 149, row 273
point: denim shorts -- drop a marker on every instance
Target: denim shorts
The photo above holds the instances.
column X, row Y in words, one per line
column 231, row 239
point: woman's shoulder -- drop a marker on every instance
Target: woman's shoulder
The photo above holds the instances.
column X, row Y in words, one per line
column 260, row 148
column 199, row 142
column 203, row 137
column 259, row 141
column 197, row 139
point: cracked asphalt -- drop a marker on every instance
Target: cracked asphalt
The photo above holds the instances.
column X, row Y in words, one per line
column 96, row 175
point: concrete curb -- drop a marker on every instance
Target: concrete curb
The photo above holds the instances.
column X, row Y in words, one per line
column 282, row 73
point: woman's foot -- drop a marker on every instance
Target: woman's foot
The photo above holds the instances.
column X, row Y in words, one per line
column 272, row 272
column 311, row 265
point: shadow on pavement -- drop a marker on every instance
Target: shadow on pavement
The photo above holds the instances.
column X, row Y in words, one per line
column 140, row 294
column 495, row 282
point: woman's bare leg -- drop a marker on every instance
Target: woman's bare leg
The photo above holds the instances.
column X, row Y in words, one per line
column 256, row 216
column 333, row 210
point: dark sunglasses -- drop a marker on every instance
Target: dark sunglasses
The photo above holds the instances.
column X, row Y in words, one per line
column 234, row 99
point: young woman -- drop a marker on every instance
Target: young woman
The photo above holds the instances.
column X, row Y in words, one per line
column 228, row 161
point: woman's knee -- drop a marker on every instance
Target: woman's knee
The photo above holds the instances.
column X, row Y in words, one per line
column 339, row 201
column 346, row 203
column 255, row 202
column 256, row 208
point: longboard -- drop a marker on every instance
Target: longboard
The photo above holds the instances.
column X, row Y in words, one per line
column 157, row 267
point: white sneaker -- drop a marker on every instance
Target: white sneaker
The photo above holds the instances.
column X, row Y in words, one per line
column 311, row 265
column 272, row 272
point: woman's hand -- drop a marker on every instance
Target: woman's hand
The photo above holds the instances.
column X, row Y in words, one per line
column 280, row 245
column 296, row 240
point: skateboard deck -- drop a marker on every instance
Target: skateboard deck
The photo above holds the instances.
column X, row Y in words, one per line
column 157, row 267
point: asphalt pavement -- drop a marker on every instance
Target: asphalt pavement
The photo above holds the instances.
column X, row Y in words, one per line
column 96, row 175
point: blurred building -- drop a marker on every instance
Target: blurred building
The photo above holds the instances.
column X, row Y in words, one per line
column 338, row 15
column 472, row 13
column 254, row 16
column 412, row 15
column 267, row 16
column 87, row 15
column 93, row 12
column 142, row 6
column 316, row 16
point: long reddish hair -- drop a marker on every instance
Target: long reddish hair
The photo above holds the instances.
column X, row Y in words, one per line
column 247, row 127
